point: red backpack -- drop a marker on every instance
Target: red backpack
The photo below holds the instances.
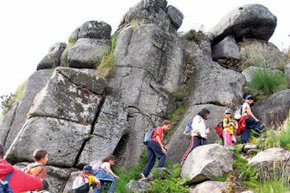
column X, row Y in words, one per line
column 219, row 129
column 241, row 125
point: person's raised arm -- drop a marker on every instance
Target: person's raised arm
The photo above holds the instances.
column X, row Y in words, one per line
column 250, row 113
column 108, row 169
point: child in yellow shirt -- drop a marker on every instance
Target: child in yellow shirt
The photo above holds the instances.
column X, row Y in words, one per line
column 229, row 126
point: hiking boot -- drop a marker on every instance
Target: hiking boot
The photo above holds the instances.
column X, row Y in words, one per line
column 141, row 177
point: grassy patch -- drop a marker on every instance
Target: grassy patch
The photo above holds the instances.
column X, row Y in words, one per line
column 107, row 63
column 266, row 81
column 221, row 178
column 192, row 35
column 273, row 186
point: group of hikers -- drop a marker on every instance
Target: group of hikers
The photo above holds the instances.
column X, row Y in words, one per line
column 99, row 176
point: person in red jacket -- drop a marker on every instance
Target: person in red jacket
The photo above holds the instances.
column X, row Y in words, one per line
column 19, row 182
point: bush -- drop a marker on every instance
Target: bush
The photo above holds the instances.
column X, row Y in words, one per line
column 266, row 82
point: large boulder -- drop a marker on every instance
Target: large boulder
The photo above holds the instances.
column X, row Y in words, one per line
column 152, row 12
column 52, row 59
column 263, row 53
column 6, row 123
column 62, row 139
column 272, row 162
column 178, row 143
column 148, row 67
column 207, row 162
column 227, row 48
column 273, row 110
column 248, row 21
column 208, row 186
column 35, row 83
column 87, row 45
column 110, row 128
column 66, row 97
column 138, row 186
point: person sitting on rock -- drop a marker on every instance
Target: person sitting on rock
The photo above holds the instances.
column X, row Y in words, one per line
column 155, row 148
column 85, row 181
column 105, row 174
column 18, row 181
column 229, row 125
column 37, row 168
column 198, row 133
column 252, row 123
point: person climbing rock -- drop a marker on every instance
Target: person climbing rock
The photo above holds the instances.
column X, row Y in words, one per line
column 155, row 148
column 199, row 132
column 252, row 123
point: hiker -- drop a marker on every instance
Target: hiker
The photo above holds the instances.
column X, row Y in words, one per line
column 155, row 148
column 85, row 181
column 106, row 175
column 252, row 123
column 229, row 125
column 37, row 168
column 198, row 132
column 18, row 181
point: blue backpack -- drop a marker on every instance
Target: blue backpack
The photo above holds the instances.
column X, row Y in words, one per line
column 188, row 130
column 147, row 136
column 4, row 185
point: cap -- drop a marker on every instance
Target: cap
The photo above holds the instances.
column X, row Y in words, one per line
column 229, row 111
column 249, row 97
column 87, row 167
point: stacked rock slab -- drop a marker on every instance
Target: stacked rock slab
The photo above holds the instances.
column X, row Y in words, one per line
column 6, row 122
column 248, row 21
column 212, row 87
column 35, row 83
column 148, row 66
column 52, row 59
column 87, row 45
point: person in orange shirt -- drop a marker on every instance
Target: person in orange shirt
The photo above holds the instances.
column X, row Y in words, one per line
column 37, row 168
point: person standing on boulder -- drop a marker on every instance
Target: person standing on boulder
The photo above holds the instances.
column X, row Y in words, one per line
column 252, row 123
column 155, row 148
column 198, row 132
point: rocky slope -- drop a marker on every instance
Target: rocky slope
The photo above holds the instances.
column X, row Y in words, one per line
column 79, row 117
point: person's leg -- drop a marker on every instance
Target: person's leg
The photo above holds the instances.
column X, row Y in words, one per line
column 245, row 135
column 227, row 138
column 190, row 148
column 150, row 160
column 159, row 154
column 112, row 185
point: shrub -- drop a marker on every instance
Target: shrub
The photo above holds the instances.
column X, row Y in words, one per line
column 285, row 135
column 267, row 82
column 107, row 63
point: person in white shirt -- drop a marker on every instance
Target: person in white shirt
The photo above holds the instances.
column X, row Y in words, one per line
column 198, row 133
column 252, row 123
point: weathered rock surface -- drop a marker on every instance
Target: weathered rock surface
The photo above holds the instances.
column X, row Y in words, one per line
column 138, row 186
column 88, row 53
column 66, row 97
column 111, row 126
column 272, row 162
column 248, row 72
column 208, row 186
column 175, row 16
column 248, row 21
column 92, row 30
column 148, row 65
column 207, row 162
column 6, row 123
column 52, row 59
column 63, row 140
column 227, row 48
column 178, row 143
column 287, row 70
column 273, row 110
column 258, row 52
column 34, row 85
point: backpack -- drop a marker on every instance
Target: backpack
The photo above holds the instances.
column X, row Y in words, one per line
column 238, row 113
column 219, row 129
column 96, row 165
column 84, row 188
column 147, row 136
column 4, row 185
column 188, row 130
column 28, row 170
column 241, row 125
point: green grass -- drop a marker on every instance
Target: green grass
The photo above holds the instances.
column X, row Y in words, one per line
column 266, row 81
column 285, row 135
column 273, row 186
column 107, row 63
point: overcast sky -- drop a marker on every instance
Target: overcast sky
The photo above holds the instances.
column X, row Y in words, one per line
column 30, row 27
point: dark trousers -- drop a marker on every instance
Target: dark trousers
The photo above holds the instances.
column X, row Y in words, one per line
column 195, row 142
column 251, row 124
column 154, row 150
